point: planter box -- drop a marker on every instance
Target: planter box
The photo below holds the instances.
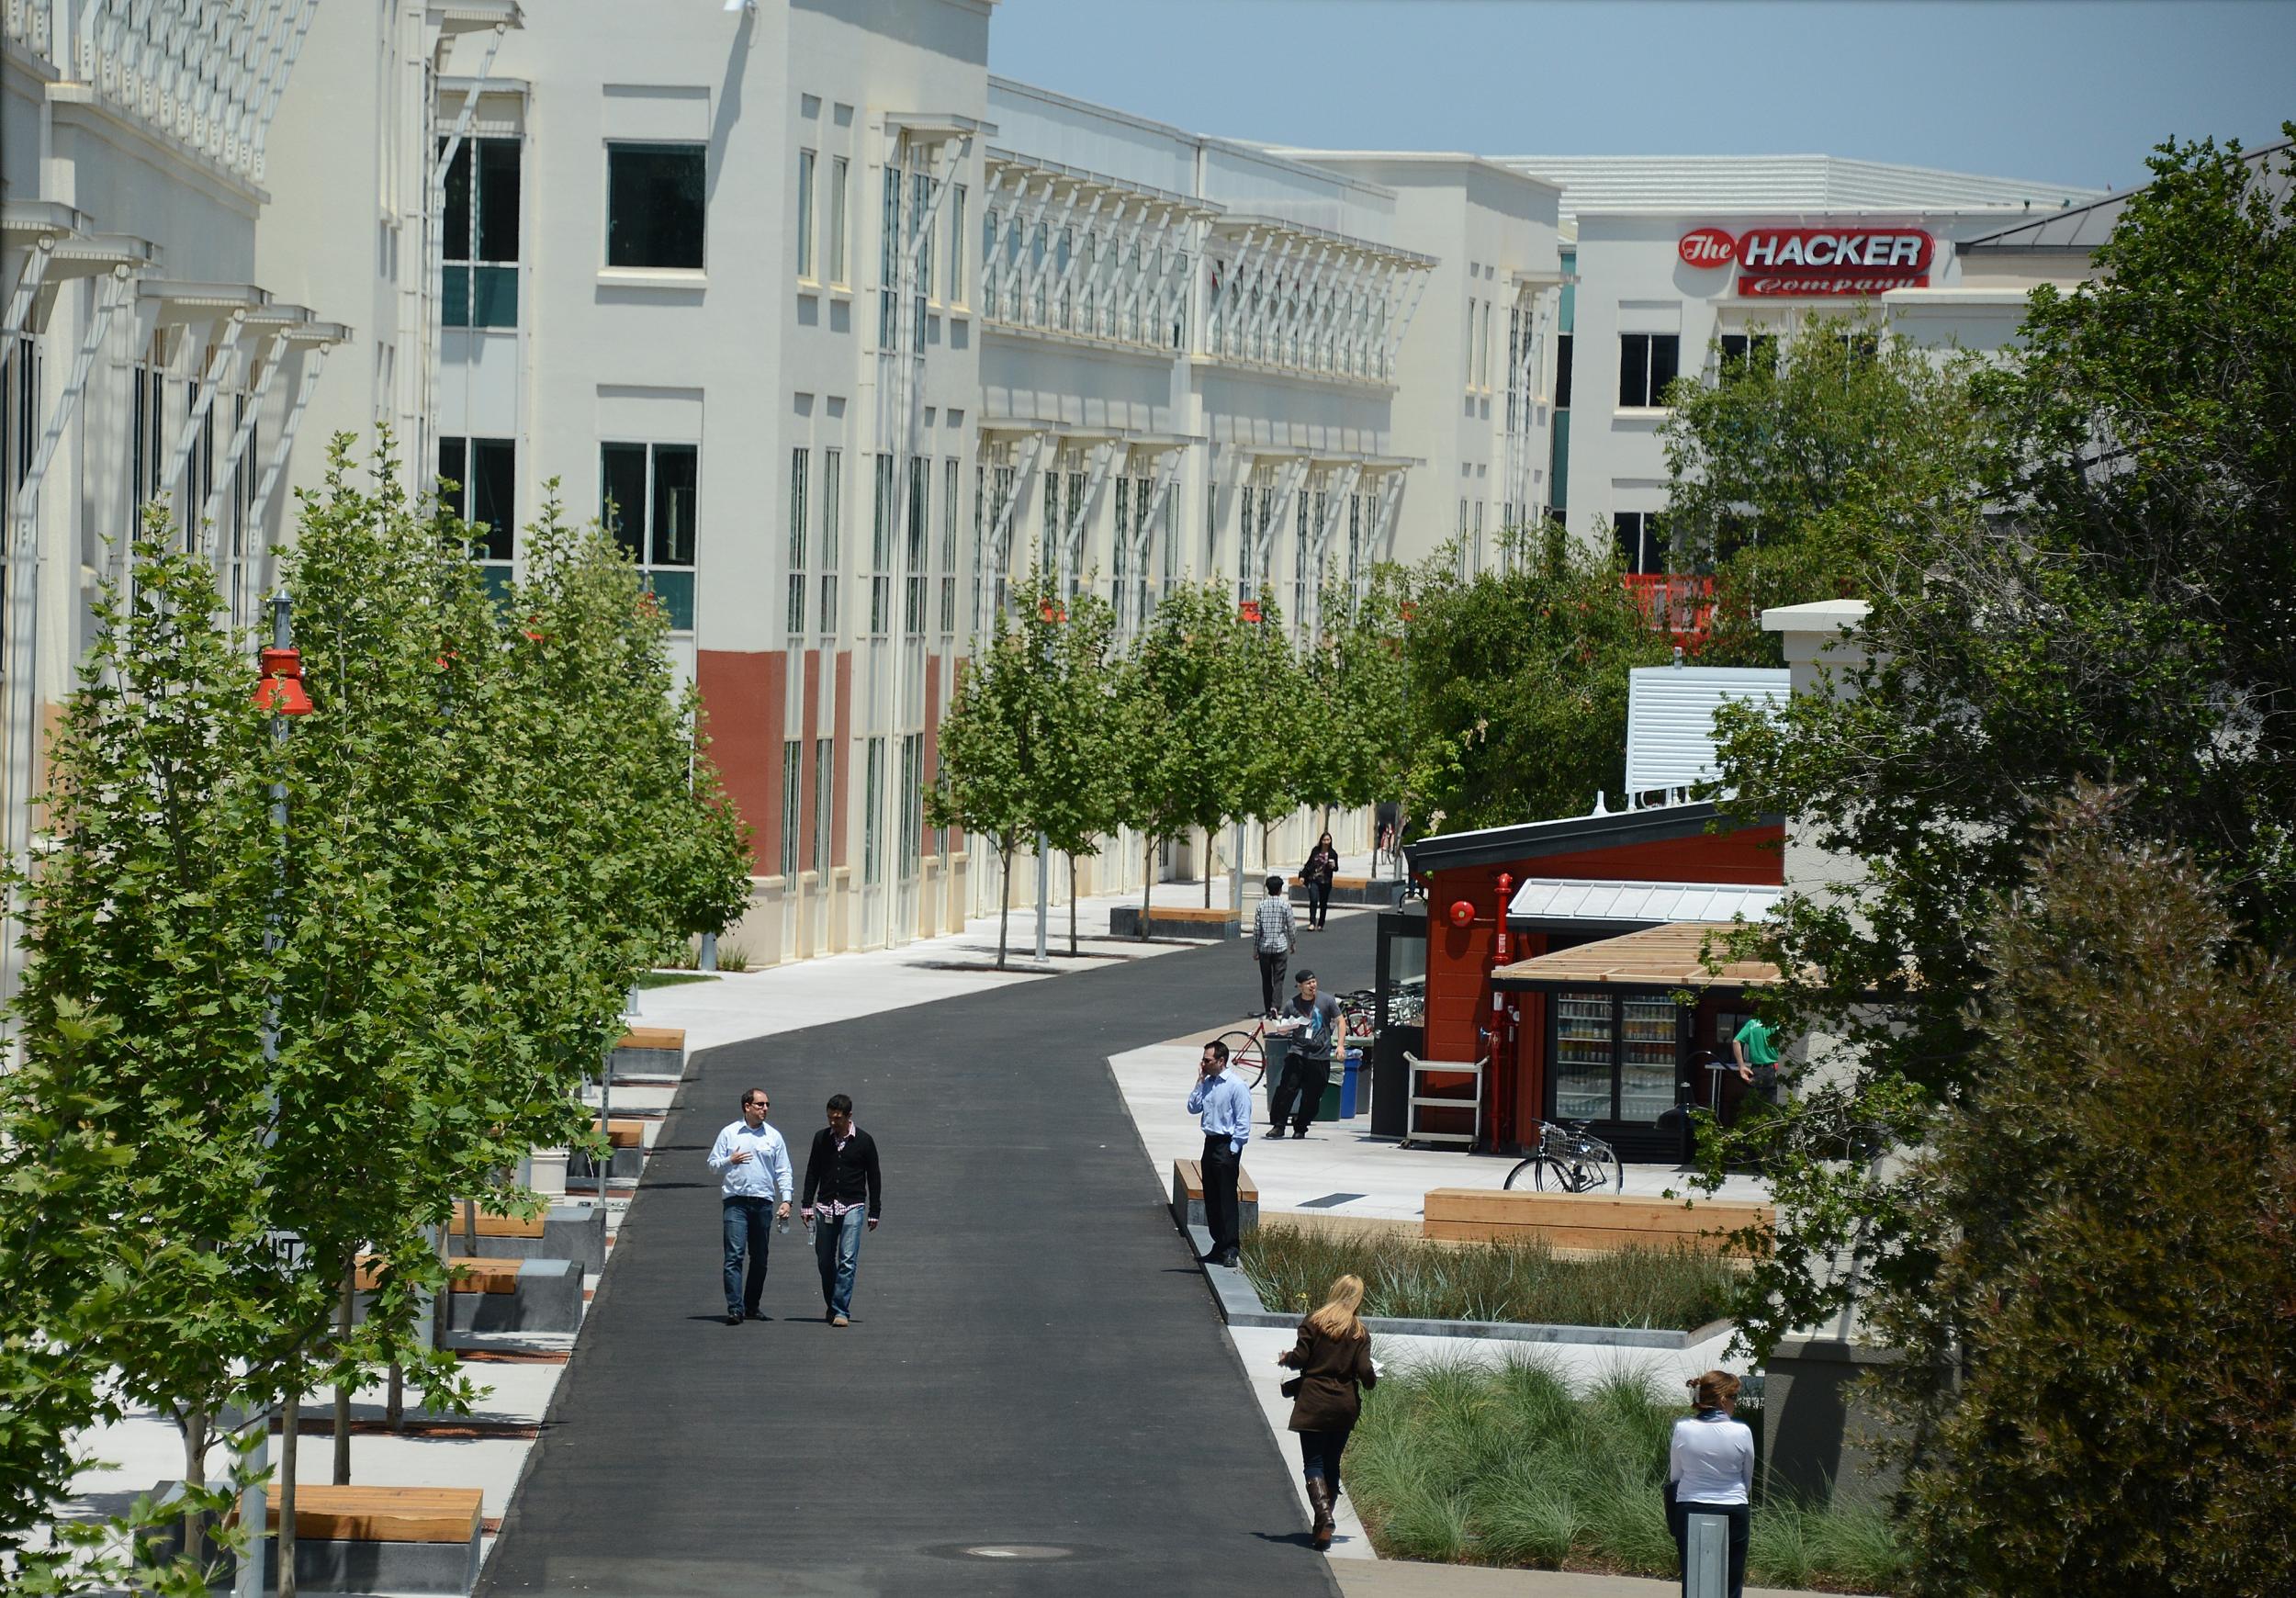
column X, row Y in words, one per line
column 1593, row 1221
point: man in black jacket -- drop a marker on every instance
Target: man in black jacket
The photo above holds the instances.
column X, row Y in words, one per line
column 841, row 1172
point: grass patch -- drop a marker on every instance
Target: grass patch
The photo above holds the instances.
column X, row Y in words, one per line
column 674, row 978
column 1508, row 1467
column 1677, row 1290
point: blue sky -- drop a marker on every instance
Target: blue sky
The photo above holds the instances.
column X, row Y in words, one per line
column 2064, row 91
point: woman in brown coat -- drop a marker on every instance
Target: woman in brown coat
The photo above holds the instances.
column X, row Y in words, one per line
column 1333, row 1358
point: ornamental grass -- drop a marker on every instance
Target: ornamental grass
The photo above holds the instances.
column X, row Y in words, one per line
column 1508, row 1467
column 1676, row 1289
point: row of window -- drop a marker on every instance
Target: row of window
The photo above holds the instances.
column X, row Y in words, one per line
column 808, row 840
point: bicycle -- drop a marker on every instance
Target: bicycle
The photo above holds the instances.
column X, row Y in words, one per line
column 1569, row 1160
column 1247, row 1052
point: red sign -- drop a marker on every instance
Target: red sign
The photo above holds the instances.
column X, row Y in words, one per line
column 1706, row 247
column 1800, row 262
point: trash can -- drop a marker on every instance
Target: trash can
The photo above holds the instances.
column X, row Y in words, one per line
column 1335, row 1103
column 1278, row 1048
column 1350, row 1082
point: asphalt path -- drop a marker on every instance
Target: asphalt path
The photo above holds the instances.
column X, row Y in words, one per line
column 1034, row 1365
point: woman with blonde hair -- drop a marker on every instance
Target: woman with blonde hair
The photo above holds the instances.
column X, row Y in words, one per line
column 1710, row 1470
column 1333, row 1356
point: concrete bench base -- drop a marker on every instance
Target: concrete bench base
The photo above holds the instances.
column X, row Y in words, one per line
column 410, row 1539
column 651, row 1054
column 575, row 1232
column 581, row 1170
column 1174, row 921
column 1187, row 1197
column 547, row 1297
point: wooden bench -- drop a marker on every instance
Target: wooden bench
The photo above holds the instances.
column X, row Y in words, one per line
column 653, row 1038
column 1187, row 1197
column 645, row 1055
column 1175, row 921
column 383, row 1514
column 623, row 1134
column 384, row 1539
column 1583, row 1220
column 1384, row 893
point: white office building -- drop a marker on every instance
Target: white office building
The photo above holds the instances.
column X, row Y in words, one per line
column 844, row 337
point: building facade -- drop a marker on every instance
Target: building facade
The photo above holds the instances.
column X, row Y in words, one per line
column 843, row 337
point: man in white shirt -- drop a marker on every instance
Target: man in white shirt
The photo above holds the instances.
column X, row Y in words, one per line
column 754, row 1162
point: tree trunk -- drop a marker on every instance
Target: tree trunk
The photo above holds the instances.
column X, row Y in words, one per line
column 1147, row 886
column 1071, row 907
column 395, row 1398
column 290, row 1427
column 194, row 1428
column 343, row 1388
column 1004, row 918
column 1207, row 868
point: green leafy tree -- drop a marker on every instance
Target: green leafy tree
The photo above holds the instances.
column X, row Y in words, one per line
column 993, row 754
column 1262, row 716
column 2103, row 1370
column 1810, row 466
column 1354, row 689
column 1518, row 683
column 1075, row 802
column 135, row 1233
column 1184, row 701
column 2120, row 617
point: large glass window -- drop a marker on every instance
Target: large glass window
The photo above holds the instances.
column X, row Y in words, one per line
column 655, row 205
column 792, row 803
column 479, row 286
column 1742, row 353
column 916, row 574
column 841, row 171
column 956, row 245
column 800, row 471
column 881, row 551
column 949, row 481
column 832, row 537
column 873, row 802
column 483, row 473
column 1641, row 539
column 912, row 802
column 823, row 806
column 1584, row 1057
column 1647, row 364
column 888, row 256
column 804, row 213
column 1615, row 1057
column 649, row 498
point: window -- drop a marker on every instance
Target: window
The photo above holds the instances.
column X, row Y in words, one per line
column 1647, row 364
column 888, row 256
column 1458, row 557
column 792, row 805
column 921, row 207
column 485, row 474
column 1742, row 353
column 956, row 245
column 873, row 802
column 881, row 552
column 1479, row 537
column 146, row 428
column 654, row 205
column 914, row 567
column 1072, row 532
column 823, row 806
column 1615, row 1057
column 912, row 802
column 800, row 469
column 1641, row 539
column 1302, row 560
column 648, row 497
column 1482, row 345
column 840, row 172
column 1562, row 371
column 1049, row 560
column 832, row 538
column 804, row 213
column 949, row 478
column 478, row 285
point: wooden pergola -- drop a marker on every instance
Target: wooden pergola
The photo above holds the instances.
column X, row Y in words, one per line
column 1672, row 956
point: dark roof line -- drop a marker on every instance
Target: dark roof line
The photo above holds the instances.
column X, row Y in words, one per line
column 1568, row 835
column 2081, row 229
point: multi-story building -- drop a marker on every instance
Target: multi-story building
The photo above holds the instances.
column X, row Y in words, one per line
column 843, row 337
column 1680, row 262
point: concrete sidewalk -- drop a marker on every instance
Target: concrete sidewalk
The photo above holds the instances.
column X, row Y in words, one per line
column 1402, row 1578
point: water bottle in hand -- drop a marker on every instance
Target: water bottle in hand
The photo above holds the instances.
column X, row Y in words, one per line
column 780, row 1223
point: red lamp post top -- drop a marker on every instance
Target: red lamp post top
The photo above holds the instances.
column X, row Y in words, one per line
column 281, row 689
column 1249, row 611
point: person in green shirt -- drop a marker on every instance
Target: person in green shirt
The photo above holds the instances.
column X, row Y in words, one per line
column 1753, row 1051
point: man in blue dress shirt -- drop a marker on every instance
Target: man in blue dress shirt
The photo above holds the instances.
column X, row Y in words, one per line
column 1224, row 1105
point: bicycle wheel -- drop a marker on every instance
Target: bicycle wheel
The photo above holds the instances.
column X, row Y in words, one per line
column 1523, row 1174
column 1549, row 1174
column 1245, row 1057
column 1598, row 1167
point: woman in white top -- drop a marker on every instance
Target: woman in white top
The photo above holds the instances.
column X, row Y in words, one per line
column 1710, row 1470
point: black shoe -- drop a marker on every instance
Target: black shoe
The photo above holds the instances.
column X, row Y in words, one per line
column 1276, row 1135
column 1231, row 1259
column 734, row 1318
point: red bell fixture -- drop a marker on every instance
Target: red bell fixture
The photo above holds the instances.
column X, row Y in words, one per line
column 1462, row 912
column 281, row 691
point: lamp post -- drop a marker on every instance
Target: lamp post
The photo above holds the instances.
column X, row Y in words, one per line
column 280, row 691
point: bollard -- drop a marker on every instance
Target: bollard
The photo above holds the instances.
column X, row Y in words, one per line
column 1706, row 1556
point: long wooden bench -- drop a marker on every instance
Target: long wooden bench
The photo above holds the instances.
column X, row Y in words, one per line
column 383, row 1514
column 385, row 1539
column 1174, row 921
column 653, row 1038
column 1187, row 1197
column 1587, row 1220
column 623, row 1134
column 650, row 1054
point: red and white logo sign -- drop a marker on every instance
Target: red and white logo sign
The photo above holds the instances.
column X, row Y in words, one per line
column 1707, row 247
column 1801, row 262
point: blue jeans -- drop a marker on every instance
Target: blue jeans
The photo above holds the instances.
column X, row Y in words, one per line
column 836, row 1245
column 1319, row 1455
column 749, row 1232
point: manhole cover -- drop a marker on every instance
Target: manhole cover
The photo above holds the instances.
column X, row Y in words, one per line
column 1017, row 1551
